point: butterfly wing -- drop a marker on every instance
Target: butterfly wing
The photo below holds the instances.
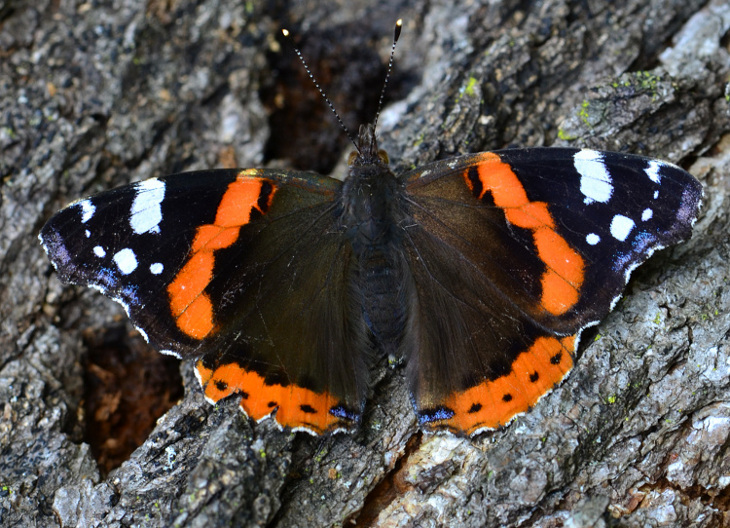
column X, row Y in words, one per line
column 512, row 254
column 244, row 270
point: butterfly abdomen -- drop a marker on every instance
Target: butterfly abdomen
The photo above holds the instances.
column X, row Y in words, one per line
column 383, row 291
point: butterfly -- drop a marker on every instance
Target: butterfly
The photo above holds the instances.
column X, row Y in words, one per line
column 286, row 287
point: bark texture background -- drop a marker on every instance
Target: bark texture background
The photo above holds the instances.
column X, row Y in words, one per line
column 99, row 93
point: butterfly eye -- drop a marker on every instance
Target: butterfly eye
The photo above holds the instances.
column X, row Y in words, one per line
column 352, row 157
column 383, row 156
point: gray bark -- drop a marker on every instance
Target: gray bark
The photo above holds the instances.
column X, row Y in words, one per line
column 97, row 94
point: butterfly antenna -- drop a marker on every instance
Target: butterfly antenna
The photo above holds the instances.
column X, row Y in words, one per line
column 396, row 36
column 286, row 33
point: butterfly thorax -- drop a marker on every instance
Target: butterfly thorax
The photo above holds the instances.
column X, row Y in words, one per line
column 373, row 213
column 371, row 201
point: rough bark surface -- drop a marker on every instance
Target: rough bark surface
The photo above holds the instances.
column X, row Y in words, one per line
column 96, row 94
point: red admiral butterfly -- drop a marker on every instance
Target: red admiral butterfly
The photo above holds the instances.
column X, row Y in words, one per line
column 479, row 271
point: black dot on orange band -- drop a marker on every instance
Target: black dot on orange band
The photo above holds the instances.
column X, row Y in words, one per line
column 221, row 385
column 555, row 360
column 272, row 404
column 507, row 397
column 475, row 407
column 308, row 409
column 276, row 378
column 244, row 395
column 534, row 377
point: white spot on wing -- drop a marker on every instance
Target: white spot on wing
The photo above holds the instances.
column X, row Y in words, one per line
column 595, row 181
column 99, row 252
column 621, row 226
column 87, row 210
column 156, row 268
column 146, row 213
column 593, row 239
column 647, row 214
column 656, row 194
column 87, row 233
column 126, row 261
column 653, row 171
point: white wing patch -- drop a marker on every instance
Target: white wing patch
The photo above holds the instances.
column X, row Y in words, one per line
column 595, row 181
column 146, row 213
column 87, row 210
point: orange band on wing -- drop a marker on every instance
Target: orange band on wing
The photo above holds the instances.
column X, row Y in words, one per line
column 295, row 407
column 190, row 305
column 492, row 404
column 564, row 276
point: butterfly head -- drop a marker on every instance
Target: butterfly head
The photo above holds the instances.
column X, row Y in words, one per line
column 367, row 152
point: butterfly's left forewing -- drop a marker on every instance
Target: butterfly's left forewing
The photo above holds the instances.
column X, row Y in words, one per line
column 245, row 270
column 512, row 254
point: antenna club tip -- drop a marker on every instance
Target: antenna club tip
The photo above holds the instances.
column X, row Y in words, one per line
column 398, row 27
column 285, row 32
column 399, row 22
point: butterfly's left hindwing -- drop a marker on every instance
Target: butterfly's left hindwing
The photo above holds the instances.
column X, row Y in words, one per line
column 513, row 253
column 245, row 270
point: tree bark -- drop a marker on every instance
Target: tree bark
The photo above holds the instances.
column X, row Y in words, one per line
column 94, row 95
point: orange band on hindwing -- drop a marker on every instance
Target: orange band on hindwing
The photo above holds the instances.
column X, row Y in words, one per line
column 296, row 407
column 564, row 275
column 190, row 305
column 492, row 404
